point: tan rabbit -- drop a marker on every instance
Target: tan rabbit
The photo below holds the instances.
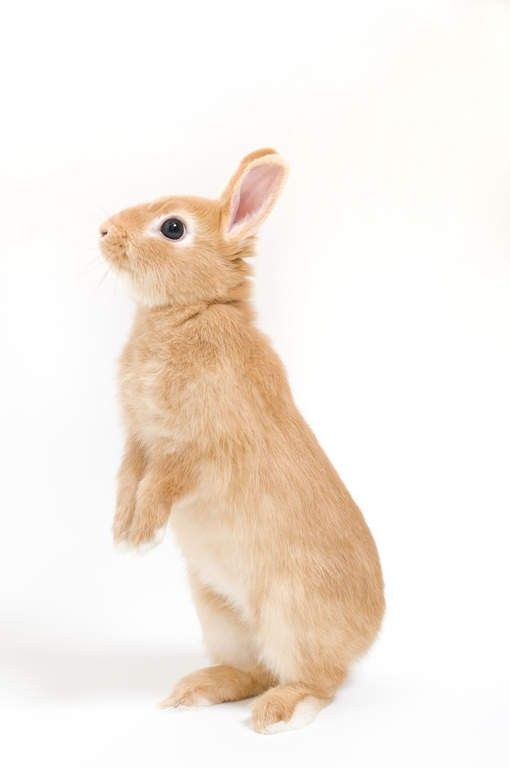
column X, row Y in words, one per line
column 284, row 571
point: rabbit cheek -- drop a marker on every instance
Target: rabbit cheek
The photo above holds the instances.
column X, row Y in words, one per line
column 147, row 284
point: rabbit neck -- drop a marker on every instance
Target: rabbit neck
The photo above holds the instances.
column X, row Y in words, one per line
column 237, row 296
column 171, row 316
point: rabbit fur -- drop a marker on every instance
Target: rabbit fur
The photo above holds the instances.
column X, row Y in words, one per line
column 283, row 568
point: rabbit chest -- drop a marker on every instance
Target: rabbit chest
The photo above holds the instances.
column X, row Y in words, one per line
column 151, row 408
column 168, row 404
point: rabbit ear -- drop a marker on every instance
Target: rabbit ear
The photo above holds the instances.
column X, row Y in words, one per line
column 252, row 192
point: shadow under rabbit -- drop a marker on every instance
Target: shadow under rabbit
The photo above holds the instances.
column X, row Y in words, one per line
column 59, row 668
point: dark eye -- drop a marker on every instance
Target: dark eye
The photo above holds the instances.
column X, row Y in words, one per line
column 173, row 228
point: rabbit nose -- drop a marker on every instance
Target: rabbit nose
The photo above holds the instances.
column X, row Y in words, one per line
column 104, row 228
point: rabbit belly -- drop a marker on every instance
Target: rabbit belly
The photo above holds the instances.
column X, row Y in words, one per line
column 212, row 550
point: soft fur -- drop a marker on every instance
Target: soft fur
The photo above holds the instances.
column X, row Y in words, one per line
column 284, row 571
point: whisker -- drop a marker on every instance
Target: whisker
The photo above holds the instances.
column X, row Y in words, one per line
column 92, row 266
column 94, row 260
column 105, row 275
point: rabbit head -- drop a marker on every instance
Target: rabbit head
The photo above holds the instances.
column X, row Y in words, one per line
column 182, row 250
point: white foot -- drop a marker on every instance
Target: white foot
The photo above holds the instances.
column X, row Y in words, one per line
column 185, row 701
column 304, row 714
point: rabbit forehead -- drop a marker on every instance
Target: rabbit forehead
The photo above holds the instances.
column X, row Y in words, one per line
column 199, row 209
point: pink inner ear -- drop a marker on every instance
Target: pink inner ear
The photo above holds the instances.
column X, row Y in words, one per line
column 256, row 189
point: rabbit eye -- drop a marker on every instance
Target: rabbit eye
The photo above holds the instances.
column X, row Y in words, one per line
column 173, row 228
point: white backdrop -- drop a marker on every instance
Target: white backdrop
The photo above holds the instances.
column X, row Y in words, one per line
column 382, row 277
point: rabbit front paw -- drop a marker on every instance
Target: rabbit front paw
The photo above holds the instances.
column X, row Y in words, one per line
column 150, row 516
column 144, row 539
column 145, row 536
column 123, row 519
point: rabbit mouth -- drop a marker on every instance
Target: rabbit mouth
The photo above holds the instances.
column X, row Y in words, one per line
column 114, row 251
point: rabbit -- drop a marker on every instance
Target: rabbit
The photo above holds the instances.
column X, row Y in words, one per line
column 283, row 569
